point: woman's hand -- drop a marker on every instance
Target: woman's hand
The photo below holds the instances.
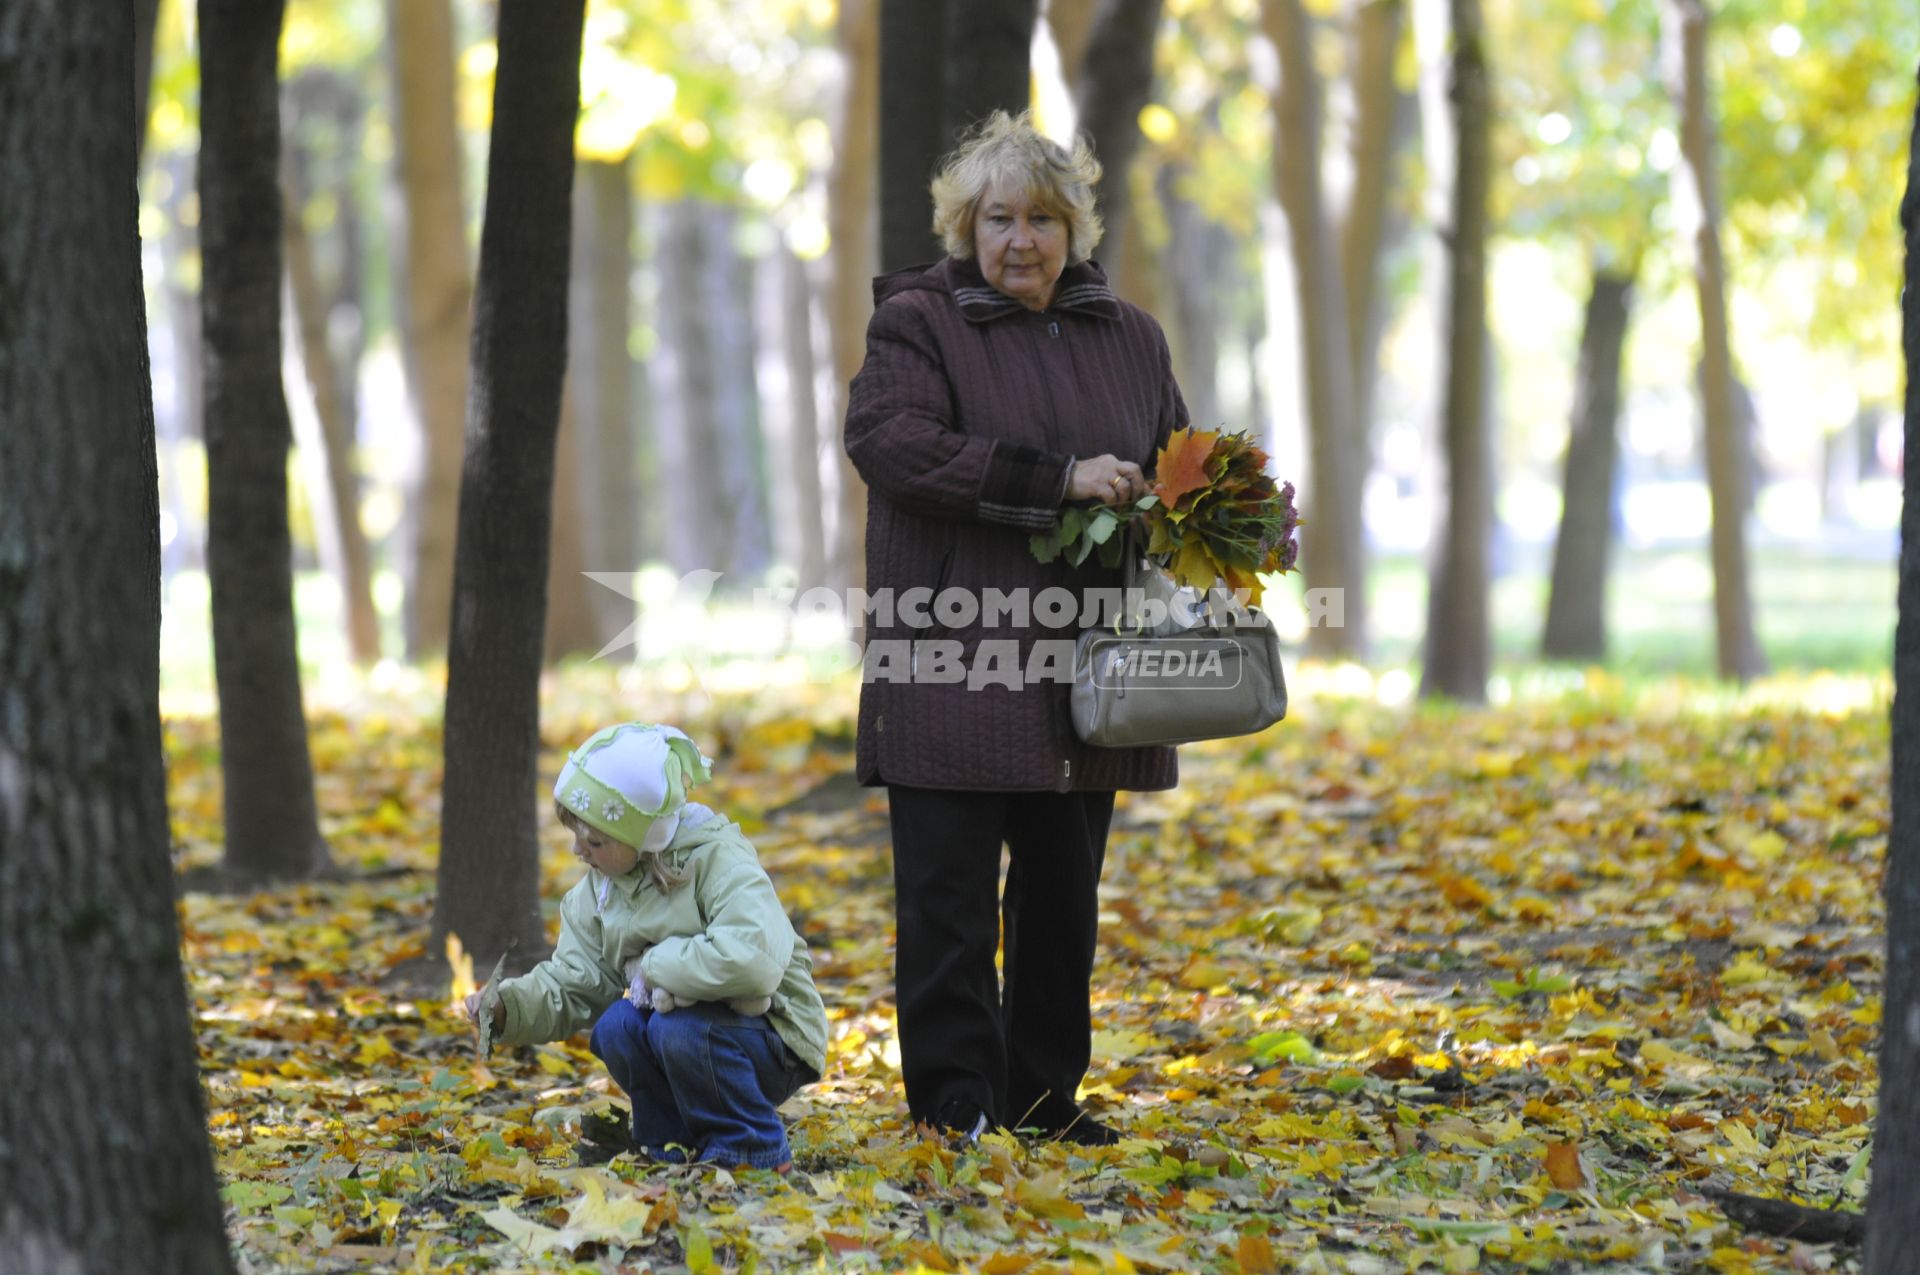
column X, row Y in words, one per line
column 1107, row 479
column 472, row 1006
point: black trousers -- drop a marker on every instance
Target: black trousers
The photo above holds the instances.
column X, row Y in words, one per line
column 1016, row 1046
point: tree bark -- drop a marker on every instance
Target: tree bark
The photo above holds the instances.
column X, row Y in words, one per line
column 601, row 372
column 850, row 212
column 1577, row 606
column 328, row 454
column 105, row 1161
column 272, row 826
column 988, row 61
column 1458, row 654
column 435, row 297
column 1893, row 1193
column 1333, row 550
column 913, row 37
column 489, row 851
column 1684, row 41
column 1115, row 82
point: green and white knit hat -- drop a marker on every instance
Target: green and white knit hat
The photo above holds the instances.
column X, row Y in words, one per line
column 625, row 777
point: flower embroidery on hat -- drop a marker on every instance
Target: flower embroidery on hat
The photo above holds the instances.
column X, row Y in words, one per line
column 580, row 799
column 613, row 812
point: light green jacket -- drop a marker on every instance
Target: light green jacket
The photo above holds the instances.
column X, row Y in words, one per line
column 721, row 934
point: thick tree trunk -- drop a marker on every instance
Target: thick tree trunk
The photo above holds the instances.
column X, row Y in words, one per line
column 1577, row 607
column 850, row 212
column 1114, row 83
column 1383, row 123
column 1458, row 654
column 988, row 60
column 1893, row 1196
column 1333, row 549
column 913, row 41
column 105, row 1163
column 435, row 297
column 1684, row 40
column 272, row 826
column 328, row 452
column 601, row 373
column 489, row 852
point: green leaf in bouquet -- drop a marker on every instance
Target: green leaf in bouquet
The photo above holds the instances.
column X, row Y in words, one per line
column 1047, row 545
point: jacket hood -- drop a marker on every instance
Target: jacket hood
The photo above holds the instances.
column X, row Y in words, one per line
column 1082, row 288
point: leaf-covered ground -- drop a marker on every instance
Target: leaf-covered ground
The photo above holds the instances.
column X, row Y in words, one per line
column 1382, row 990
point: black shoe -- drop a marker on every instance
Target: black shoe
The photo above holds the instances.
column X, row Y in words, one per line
column 603, row 1135
column 1065, row 1122
column 960, row 1123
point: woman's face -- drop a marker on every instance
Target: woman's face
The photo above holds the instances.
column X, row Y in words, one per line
column 1021, row 245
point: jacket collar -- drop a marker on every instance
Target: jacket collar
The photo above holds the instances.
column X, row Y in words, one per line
column 1082, row 289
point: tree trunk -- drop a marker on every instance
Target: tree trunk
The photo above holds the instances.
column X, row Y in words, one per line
column 1383, row 122
column 106, row 1163
column 1893, row 1193
column 489, row 875
column 850, row 210
column 728, row 284
column 1114, row 83
column 573, row 623
column 1333, row 549
column 1684, row 40
column 786, row 307
column 272, row 826
column 180, row 245
column 913, row 127
column 601, row 373
column 146, row 15
column 1577, row 607
column 435, row 296
column 1071, row 22
column 1193, row 332
column 701, row 530
column 328, row 450
column 1458, row 654
column 988, row 60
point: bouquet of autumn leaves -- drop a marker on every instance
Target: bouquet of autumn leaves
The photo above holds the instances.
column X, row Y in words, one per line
column 1213, row 517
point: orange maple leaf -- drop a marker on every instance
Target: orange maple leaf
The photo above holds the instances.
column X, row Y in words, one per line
column 1181, row 466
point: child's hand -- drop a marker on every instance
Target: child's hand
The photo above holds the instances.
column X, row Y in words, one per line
column 638, row 990
column 472, row 1008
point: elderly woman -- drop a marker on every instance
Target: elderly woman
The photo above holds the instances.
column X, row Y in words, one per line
column 1000, row 384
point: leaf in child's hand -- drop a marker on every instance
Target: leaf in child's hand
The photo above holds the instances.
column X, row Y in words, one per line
column 489, row 997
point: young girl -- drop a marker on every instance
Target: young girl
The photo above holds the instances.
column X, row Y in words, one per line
column 708, row 1017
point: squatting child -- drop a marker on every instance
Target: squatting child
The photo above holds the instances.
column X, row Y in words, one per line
column 708, row 1017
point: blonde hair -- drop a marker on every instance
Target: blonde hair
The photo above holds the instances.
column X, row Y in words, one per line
column 1008, row 150
column 654, row 861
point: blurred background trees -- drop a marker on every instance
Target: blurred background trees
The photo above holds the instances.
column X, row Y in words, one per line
column 1276, row 187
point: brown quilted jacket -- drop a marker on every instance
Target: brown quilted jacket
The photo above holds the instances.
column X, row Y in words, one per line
column 964, row 421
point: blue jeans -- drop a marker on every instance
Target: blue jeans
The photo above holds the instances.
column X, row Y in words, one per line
column 704, row 1078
